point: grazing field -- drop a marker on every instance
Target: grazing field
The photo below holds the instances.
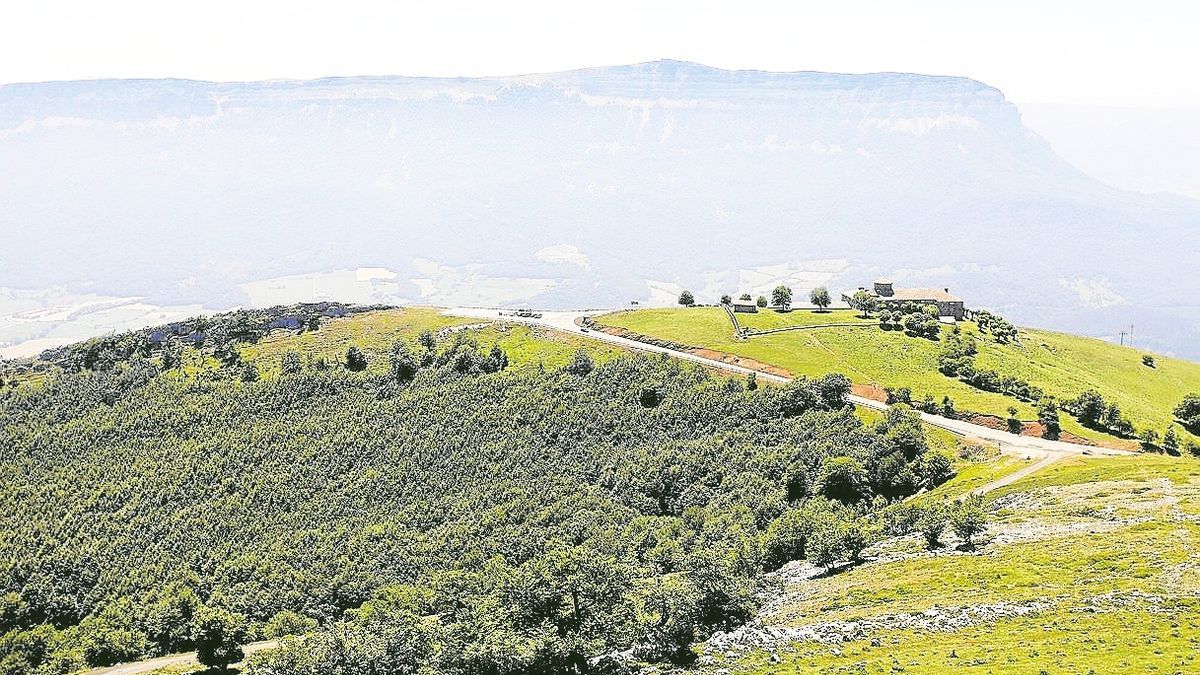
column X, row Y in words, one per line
column 1062, row 365
column 375, row 332
column 1088, row 566
column 768, row 320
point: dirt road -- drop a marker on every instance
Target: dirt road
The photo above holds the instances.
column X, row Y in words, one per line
column 570, row 322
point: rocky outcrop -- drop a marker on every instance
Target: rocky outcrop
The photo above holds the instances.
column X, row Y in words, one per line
column 941, row 619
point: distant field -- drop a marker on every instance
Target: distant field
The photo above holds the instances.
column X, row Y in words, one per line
column 375, row 332
column 1107, row 545
column 1062, row 365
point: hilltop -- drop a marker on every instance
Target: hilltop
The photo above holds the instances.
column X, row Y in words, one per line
column 1062, row 366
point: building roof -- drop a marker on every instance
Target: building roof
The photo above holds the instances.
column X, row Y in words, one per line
column 935, row 294
column 742, row 302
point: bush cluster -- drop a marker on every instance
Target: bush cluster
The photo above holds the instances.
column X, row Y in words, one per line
column 915, row 320
column 958, row 359
column 1094, row 412
column 1001, row 330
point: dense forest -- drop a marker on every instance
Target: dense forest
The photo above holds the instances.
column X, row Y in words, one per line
column 451, row 514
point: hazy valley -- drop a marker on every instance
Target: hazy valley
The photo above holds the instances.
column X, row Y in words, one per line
column 585, row 188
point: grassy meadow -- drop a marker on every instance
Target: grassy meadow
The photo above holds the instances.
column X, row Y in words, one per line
column 375, row 332
column 1107, row 545
column 1062, row 365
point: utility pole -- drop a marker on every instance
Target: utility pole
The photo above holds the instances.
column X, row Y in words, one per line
column 1123, row 334
column 1130, row 335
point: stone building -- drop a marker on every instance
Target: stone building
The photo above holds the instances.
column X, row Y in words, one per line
column 744, row 306
column 887, row 294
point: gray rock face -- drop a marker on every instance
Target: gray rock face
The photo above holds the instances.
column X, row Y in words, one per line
column 180, row 190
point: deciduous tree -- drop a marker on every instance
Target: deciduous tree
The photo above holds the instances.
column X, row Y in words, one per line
column 819, row 296
column 218, row 635
column 782, row 297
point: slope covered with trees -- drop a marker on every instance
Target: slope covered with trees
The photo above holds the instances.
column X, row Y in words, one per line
column 443, row 513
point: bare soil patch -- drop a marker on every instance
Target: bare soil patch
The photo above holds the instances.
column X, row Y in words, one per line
column 871, row 391
column 742, row 361
column 1037, row 430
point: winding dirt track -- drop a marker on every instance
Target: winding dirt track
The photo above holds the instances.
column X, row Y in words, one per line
column 1024, row 446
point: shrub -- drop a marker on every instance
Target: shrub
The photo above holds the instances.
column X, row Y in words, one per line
column 581, row 364
column 856, row 537
column 938, row 468
column 249, row 373
column 1170, row 443
column 356, row 360
column 171, row 357
column 1014, row 424
column 832, row 391
column 899, row 519
column 401, row 362
column 1094, row 412
column 948, row 407
column 650, row 397
column 1002, row 331
column 1048, row 418
column 1149, row 441
column 932, row 524
column 1188, row 412
column 496, row 361
column 827, row 542
column 286, row 622
column 219, row 635
column 843, row 479
column 1088, row 407
column 928, row 405
column 786, row 538
column 968, row 518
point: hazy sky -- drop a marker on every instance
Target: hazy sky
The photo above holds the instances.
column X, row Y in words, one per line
column 1096, row 52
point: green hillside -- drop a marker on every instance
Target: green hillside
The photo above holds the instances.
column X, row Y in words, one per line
column 375, row 332
column 1089, row 567
column 1062, row 365
column 477, row 500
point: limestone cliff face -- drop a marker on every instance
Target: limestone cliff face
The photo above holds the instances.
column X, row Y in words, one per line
column 173, row 189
